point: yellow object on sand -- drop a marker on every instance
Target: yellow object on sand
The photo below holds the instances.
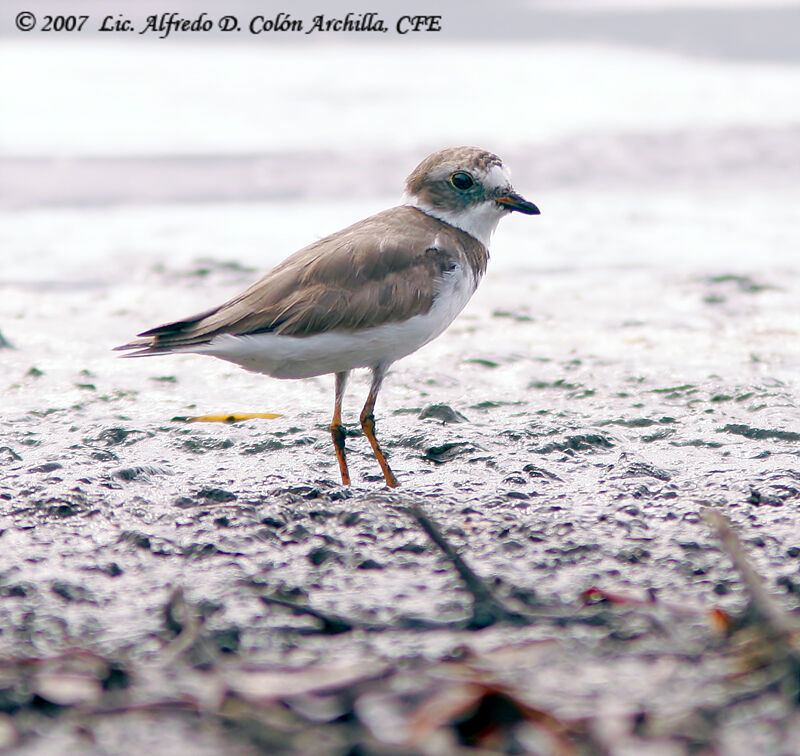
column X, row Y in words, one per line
column 231, row 417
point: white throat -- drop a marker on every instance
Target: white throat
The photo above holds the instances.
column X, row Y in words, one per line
column 479, row 221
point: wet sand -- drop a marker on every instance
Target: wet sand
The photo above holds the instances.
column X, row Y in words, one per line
column 600, row 405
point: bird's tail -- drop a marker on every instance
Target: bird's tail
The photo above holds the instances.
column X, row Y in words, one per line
column 180, row 336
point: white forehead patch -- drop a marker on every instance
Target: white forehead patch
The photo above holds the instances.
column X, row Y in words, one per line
column 498, row 177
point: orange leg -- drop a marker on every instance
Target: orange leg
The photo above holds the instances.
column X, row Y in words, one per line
column 337, row 429
column 368, row 425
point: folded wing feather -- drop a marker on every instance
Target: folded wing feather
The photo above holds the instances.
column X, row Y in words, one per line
column 340, row 282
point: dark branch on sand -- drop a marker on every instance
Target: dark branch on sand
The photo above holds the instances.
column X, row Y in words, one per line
column 487, row 609
column 331, row 624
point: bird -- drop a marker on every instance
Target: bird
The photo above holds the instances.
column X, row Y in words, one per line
column 365, row 296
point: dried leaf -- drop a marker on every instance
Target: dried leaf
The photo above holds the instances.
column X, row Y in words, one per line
column 67, row 689
column 270, row 684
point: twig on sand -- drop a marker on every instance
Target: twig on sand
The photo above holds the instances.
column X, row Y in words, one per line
column 775, row 623
column 762, row 602
column 181, row 618
column 332, row 624
column 487, row 609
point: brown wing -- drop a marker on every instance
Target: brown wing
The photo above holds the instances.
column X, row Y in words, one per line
column 343, row 281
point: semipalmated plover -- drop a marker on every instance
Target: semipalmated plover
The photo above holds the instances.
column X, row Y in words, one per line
column 365, row 296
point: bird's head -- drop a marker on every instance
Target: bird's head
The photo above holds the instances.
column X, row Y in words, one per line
column 467, row 187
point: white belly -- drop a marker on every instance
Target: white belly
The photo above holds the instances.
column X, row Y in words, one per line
column 337, row 351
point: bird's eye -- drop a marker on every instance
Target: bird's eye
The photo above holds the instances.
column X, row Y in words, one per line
column 461, row 181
